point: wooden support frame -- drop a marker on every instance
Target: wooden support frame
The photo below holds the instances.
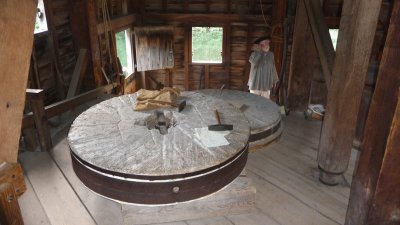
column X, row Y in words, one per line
column 36, row 99
column 48, row 5
column 323, row 41
column 117, row 23
column 78, row 73
column 193, row 18
column 227, row 54
column 16, row 47
column 187, row 51
column 372, row 177
column 10, row 213
column 246, row 74
column 66, row 105
column 347, row 82
column 303, row 57
column 94, row 42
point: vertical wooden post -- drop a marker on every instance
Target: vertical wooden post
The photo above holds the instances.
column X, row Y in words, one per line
column 78, row 74
column 357, row 31
column 186, row 55
column 207, row 76
column 377, row 129
column 53, row 43
column 10, row 213
column 227, row 57
column 17, row 19
column 228, row 6
column 302, row 61
column 167, row 78
column 36, row 97
column 94, row 41
column 278, row 17
column 80, row 36
column 248, row 50
column 323, row 41
column 12, row 185
column 385, row 204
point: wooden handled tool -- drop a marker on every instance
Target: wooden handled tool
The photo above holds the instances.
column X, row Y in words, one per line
column 219, row 126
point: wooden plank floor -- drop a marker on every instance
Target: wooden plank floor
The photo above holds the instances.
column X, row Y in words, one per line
column 284, row 174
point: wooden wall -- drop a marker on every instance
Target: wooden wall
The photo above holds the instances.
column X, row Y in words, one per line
column 54, row 54
column 242, row 22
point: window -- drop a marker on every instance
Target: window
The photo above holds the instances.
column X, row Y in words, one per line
column 334, row 35
column 124, row 51
column 207, row 44
column 40, row 23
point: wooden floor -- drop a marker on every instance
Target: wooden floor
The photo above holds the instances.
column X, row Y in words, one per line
column 283, row 173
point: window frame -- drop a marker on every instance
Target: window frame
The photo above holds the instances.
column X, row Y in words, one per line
column 131, row 44
column 223, row 53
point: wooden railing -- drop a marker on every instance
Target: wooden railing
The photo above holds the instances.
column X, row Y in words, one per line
column 40, row 113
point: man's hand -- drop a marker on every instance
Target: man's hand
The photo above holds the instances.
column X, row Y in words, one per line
column 256, row 47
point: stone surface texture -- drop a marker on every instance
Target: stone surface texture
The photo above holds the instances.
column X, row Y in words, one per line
column 114, row 137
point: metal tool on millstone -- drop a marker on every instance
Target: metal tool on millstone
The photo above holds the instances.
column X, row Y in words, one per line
column 161, row 122
column 219, row 126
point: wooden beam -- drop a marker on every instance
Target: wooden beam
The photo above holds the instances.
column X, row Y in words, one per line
column 94, row 42
column 10, row 213
column 167, row 78
column 117, row 23
column 207, row 76
column 278, row 17
column 229, row 6
column 385, row 204
column 211, row 18
column 227, row 57
column 322, row 38
column 186, row 53
column 78, row 73
column 12, row 173
column 17, row 21
column 302, row 62
column 377, row 129
column 54, row 46
column 67, row 104
column 36, row 99
column 248, row 50
column 356, row 36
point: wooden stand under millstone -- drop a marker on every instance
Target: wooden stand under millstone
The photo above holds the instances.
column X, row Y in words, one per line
column 263, row 114
column 122, row 154
column 237, row 198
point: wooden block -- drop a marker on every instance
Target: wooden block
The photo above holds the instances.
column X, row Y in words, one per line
column 9, row 208
column 238, row 197
column 12, row 173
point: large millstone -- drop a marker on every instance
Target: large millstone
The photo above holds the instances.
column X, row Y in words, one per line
column 263, row 114
column 119, row 153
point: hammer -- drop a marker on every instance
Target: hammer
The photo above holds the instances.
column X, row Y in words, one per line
column 219, row 126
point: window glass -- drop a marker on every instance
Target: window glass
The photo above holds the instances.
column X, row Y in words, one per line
column 124, row 51
column 207, row 44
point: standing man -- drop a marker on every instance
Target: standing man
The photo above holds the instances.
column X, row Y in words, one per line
column 263, row 75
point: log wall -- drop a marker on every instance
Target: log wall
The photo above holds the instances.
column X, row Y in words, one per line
column 242, row 22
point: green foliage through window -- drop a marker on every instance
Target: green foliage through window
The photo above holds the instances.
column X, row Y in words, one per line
column 121, row 48
column 207, row 44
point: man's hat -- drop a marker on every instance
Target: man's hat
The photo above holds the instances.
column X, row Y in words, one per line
column 260, row 39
